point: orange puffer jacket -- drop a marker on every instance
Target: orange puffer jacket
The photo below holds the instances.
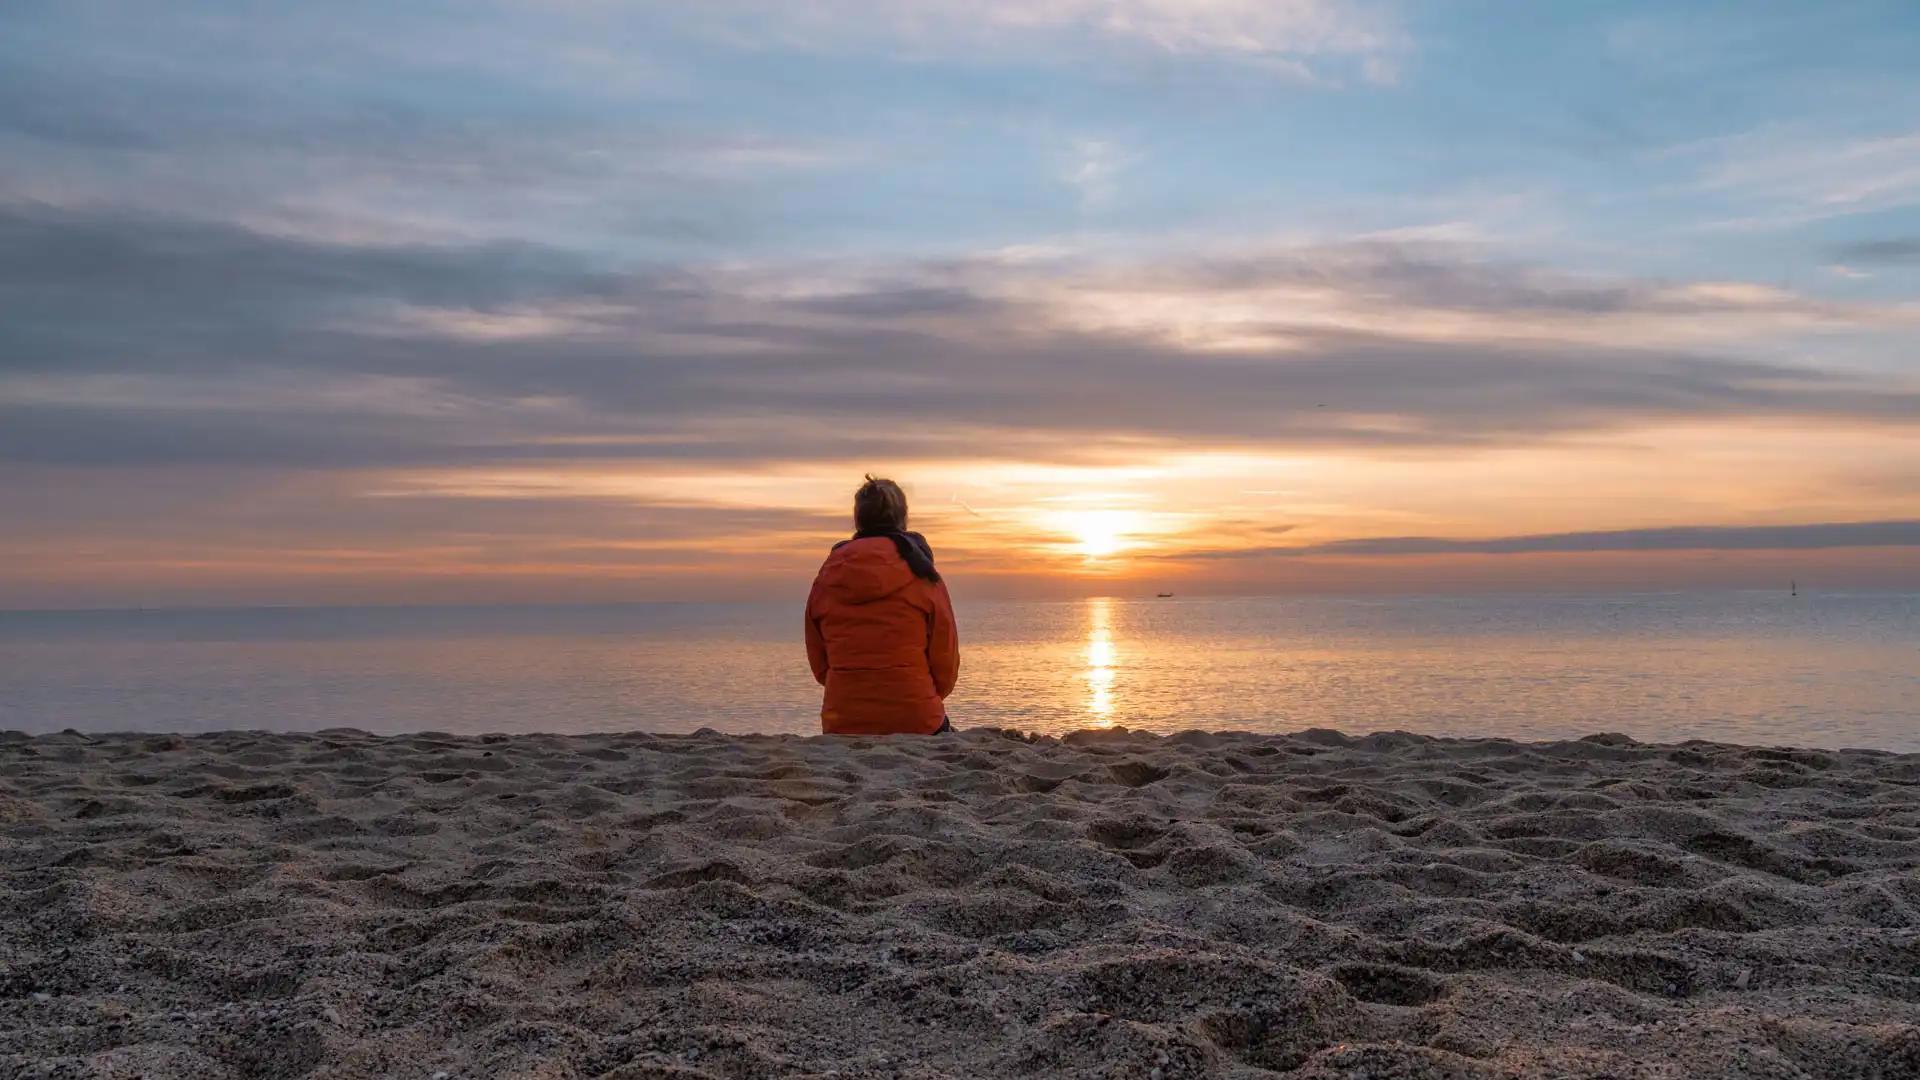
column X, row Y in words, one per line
column 882, row 641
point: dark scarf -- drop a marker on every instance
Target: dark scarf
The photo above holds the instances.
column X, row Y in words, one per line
column 911, row 546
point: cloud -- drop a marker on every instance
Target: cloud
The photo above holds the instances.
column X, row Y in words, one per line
column 905, row 301
column 1227, row 26
column 1782, row 178
column 1433, row 290
column 1091, row 168
column 1681, row 538
column 142, row 510
column 147, row 339
column 1904, row 249
column 1284, row 35
column 359, row 143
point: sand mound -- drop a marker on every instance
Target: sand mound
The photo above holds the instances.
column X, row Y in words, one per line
column 1112, row 905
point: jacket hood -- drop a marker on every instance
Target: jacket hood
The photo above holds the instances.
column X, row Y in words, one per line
column 862, row 571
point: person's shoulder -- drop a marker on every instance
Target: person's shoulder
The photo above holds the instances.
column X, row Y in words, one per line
column 826, row 563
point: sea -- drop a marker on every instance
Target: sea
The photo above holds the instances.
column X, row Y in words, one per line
column 1825, row 669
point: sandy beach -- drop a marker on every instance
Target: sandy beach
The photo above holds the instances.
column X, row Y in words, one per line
column 982, row 905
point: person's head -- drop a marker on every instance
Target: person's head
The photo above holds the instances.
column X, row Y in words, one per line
column 879, row 506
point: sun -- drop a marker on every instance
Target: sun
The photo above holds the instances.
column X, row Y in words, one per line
column 1100, row 533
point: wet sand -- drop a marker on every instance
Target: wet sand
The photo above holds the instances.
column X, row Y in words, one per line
column 980, row 905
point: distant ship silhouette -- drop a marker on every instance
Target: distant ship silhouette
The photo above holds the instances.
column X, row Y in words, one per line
column 1163, row 595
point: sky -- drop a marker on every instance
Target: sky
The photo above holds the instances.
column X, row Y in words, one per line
column 583, row 300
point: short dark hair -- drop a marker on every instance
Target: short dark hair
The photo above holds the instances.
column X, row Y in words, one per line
column 879, row 506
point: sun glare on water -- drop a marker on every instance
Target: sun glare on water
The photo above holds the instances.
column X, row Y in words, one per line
column 1102, row 660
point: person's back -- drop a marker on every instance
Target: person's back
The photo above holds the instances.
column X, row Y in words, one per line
column 879, row 626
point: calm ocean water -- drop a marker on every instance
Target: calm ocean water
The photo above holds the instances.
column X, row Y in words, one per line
column 1819, row 670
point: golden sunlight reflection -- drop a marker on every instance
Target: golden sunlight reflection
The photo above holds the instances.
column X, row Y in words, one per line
column 1101, row 660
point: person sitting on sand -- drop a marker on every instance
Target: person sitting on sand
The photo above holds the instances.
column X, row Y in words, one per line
column 880, row 630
